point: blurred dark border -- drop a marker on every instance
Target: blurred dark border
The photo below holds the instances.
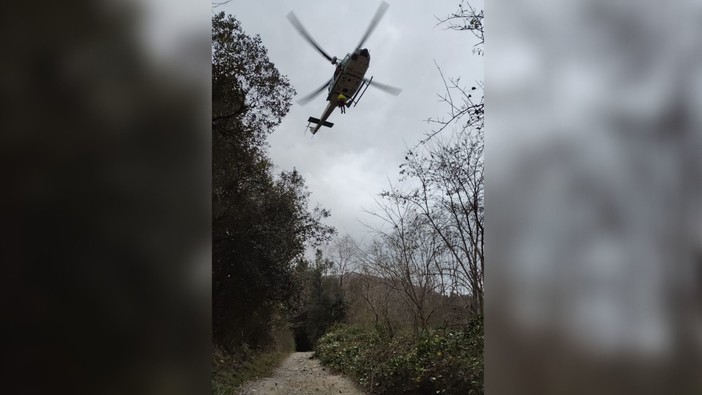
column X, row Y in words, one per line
column 105, row 198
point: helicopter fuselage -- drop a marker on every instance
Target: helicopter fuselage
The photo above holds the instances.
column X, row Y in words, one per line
column 348, row 77
column 349, row 74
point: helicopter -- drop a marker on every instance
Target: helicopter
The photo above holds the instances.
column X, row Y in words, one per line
column 348, row 84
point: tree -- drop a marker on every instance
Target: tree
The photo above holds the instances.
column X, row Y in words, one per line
column 261, row 223
column 343, row 250
column 450, row 196
column 447, row 166
column 406, row 258
column 249, row 95
column 323, row 302
column 470, row 19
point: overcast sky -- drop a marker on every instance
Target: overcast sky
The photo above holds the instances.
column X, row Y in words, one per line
column 347, row 166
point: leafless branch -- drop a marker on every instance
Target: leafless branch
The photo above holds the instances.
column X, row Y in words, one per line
column 466, row 18
column 216, row 4
column 457, row 110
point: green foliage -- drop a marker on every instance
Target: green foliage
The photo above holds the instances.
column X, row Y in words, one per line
column 441, row 362
column 323, row 303
column 248, row 93
column 261, row 223
column 230, row 370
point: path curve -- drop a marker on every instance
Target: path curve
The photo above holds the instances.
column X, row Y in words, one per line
column 301, row 374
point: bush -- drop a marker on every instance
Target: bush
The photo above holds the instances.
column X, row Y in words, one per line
column 441, row 362
column 232, row 368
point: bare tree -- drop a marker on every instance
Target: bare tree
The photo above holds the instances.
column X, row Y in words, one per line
column 426, row 265
column 405, row 258
column 342, row 252
column 467, row 18
column 450, row 197
column 448, row 166
column 464, row 109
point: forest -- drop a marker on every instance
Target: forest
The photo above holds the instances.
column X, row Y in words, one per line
column 398, row 313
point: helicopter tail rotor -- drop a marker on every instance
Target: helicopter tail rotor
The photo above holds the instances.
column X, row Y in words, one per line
column 303, row 32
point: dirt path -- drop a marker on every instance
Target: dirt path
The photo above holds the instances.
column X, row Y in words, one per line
column 300, row 374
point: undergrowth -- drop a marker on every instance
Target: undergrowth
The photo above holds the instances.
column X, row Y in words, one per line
column 441, row 362
column 231, row 369
column 230, row 372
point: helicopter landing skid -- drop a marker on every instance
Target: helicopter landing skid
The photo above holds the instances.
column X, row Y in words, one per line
column 359, row 92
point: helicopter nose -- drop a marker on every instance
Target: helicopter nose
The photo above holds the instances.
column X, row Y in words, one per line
column 364, row 52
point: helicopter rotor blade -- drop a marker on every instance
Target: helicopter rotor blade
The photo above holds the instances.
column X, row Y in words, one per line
column 374, row 22
column 385, row 88
column 306, row 99
column 303, row 32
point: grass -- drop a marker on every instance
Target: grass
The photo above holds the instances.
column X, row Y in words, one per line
column 230, row 371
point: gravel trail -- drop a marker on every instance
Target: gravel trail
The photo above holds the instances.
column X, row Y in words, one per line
column 300, row 374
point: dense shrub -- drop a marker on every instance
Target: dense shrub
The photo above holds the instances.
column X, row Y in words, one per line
column 232, row 368
column 323, row 302
column 441, row 362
